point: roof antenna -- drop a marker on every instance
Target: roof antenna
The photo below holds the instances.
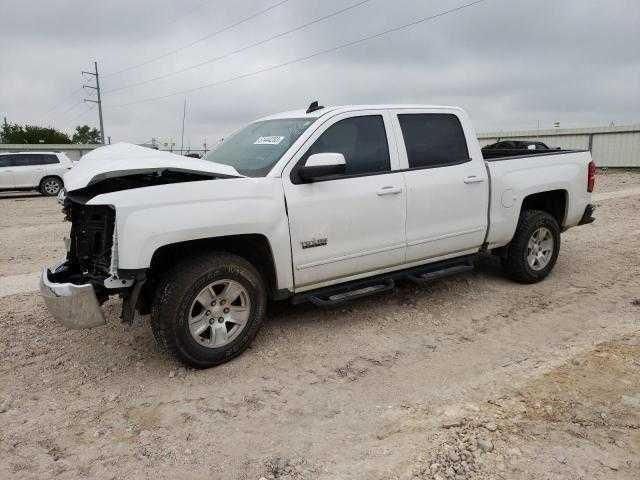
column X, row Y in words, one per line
column 314, row 106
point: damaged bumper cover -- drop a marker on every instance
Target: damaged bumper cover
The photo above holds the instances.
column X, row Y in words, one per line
column 74, row 306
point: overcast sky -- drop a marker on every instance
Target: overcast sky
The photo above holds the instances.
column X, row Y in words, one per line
column 511, row 63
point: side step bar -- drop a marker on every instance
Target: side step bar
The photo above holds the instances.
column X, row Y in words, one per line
column 445, row 272
column 342, row 293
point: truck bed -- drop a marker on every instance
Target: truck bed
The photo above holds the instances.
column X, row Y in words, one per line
column 516, row 177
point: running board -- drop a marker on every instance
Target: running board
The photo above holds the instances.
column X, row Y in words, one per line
column 342, row 293
column 445, row 272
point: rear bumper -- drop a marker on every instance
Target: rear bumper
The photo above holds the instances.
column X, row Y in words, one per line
column 587, row 216
column 74, row 306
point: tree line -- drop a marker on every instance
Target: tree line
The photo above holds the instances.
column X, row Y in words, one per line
column 15, row 133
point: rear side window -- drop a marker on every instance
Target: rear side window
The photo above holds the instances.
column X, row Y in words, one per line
column 433, row 139
column 5, row 160
column 34, row 159
column 362, row 141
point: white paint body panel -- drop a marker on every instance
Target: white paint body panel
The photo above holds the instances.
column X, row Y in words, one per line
column 149, row 218
column 444, row 214
column 431, row 215
column 513, row 180
column 362, row 218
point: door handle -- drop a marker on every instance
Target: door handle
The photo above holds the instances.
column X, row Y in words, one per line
column 390, row 190
column 473, row 179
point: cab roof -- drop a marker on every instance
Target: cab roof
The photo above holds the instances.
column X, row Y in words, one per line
column 349, row 108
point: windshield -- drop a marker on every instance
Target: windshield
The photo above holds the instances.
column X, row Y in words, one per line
column 255, row 149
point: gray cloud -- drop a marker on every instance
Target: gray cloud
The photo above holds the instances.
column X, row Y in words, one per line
column 510, row 63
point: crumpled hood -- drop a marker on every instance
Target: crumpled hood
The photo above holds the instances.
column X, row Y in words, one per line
column 122, row 159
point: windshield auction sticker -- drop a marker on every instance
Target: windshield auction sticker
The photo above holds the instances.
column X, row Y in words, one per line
column 274, row 140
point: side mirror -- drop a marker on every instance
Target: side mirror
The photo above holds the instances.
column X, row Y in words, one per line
column 322, row 165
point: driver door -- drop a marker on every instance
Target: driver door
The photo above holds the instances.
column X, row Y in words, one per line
column 345, row 226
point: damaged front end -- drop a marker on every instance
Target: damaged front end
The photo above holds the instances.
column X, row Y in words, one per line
column 74, row 290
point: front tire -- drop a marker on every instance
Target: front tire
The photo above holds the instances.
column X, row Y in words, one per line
column 534, row 249
column 208, row 309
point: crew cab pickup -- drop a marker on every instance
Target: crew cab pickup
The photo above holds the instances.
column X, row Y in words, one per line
column 323, row 205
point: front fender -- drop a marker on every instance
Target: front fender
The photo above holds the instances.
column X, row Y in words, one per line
column 150, row 218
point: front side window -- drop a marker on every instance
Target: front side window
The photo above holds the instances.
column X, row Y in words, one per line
column 255, row 149
column 362, row 141
column 433, row 139
column 5, row 160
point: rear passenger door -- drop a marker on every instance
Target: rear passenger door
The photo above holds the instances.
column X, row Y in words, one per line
column 447, row 191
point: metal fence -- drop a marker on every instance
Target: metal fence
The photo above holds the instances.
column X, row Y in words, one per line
column 610, row 146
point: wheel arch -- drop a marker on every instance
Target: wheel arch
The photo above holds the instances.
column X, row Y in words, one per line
column 255, row 248
column 554, row 202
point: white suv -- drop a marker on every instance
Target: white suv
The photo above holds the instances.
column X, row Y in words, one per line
column 40, row 171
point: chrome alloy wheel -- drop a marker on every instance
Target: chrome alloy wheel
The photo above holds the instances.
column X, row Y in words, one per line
column 219, row 313
column 51, row 187
column 540, row 248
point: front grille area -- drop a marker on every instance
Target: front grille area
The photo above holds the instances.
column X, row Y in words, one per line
column 91, row 238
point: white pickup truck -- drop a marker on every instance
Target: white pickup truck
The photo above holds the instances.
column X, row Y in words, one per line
column 323, row 205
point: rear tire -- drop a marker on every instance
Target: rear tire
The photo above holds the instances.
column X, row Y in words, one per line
column 534, row 249
column 194, row 316
column 50, row 186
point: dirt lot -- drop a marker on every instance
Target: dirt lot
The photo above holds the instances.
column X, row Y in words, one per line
column 472, row 377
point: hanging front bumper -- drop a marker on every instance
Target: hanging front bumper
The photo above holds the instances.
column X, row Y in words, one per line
column 74, row 306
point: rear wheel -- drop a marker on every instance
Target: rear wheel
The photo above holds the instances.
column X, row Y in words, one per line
column 209, row 309
column 534, row 249
column 50, row 186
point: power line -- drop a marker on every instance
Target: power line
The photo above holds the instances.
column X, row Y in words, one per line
column 78, row 90
column 201, row 39
column 82, row 114
column 241, row 49
column 67, row 98
column 307, row 57
column 73, row 107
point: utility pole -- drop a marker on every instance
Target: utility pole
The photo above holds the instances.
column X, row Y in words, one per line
column 184, row 114
column 99, row 101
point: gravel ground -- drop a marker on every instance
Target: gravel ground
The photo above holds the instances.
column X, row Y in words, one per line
column 470, row 377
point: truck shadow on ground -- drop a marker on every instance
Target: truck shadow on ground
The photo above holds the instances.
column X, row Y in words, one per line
column 406, row 293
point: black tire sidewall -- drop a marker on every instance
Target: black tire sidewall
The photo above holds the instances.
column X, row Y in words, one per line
column 516, row 262
column 182, row 295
